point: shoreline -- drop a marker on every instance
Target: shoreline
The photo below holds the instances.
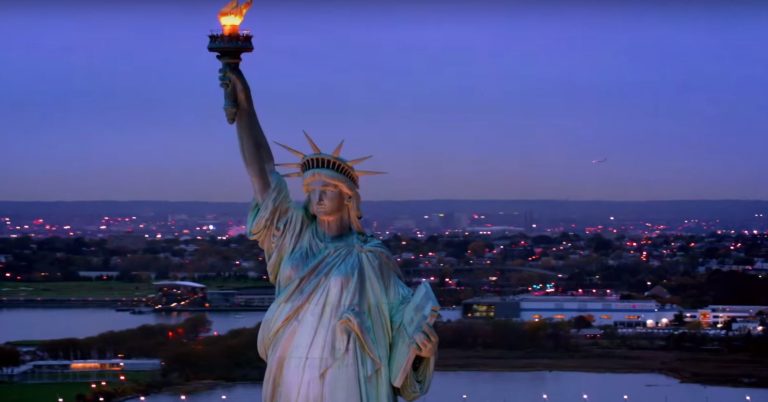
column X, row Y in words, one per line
column 738, row 370
column 550, row 365
column 112, row 304
column 480, row 363
column 452, row 360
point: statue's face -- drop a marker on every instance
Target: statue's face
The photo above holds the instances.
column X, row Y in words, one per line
column 326, row 200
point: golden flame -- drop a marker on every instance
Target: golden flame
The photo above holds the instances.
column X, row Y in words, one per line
column 231, row 15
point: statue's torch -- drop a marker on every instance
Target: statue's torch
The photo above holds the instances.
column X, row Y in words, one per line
column 230, row 43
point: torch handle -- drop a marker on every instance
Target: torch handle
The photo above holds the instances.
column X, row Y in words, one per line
column 230, row 94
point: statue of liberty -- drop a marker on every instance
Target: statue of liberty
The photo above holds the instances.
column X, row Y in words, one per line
column 340, row 304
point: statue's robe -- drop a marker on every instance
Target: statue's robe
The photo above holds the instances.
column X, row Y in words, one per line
column 338, row 301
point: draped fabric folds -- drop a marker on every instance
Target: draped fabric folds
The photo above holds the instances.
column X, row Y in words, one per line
column 338, row 301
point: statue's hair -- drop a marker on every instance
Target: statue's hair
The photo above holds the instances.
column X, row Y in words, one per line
column 352, row 208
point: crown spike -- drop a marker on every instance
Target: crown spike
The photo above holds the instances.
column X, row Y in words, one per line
column 354, row 162
column 312, row 144
column 337, row 151
column 290, row 165
column 293, row 174
column 291, row 150
column 368, row 172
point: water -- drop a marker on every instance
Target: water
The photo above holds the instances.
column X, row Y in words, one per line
column 529, row 387
column 51, row 323
column 450, row 315
column 46, row 323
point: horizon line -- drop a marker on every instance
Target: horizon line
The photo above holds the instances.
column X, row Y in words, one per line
column 410, row 200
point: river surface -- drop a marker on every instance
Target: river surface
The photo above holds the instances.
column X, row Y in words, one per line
column 54, row 323
column 469, row 386
column 49, row 323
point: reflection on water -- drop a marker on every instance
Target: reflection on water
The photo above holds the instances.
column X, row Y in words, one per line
column 46, row 323
column 470, row 386
column 51, row 323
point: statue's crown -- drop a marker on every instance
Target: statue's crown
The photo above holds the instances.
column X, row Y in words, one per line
column 318, row 160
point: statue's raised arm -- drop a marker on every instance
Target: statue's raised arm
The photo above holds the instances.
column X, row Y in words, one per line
column 257, row 155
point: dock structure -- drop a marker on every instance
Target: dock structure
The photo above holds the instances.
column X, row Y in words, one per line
column 41, row 371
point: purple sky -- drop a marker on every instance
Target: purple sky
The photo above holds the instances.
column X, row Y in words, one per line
column 473, row 100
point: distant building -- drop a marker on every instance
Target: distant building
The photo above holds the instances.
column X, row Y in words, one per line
column 609, row 310
column 221, row 298
column 98, row 274
column 717, row 315
column 494, row 231
column 179, row 293
column 748, row 326
column 77, row 370
column 259, row 297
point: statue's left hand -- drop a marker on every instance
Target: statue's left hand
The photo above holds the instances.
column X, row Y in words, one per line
column 426, row 342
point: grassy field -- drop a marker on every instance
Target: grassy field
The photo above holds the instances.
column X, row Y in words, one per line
column 85, row 289
column 42, row 392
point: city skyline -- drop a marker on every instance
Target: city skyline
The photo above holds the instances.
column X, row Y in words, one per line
column 579, row 101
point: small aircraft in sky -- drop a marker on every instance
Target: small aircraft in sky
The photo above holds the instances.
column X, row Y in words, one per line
column 596, row 161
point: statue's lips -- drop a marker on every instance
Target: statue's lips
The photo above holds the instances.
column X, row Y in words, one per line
column 323, row 209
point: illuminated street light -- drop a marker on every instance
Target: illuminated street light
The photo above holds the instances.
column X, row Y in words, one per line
column 585, row 396
column 544, row 397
